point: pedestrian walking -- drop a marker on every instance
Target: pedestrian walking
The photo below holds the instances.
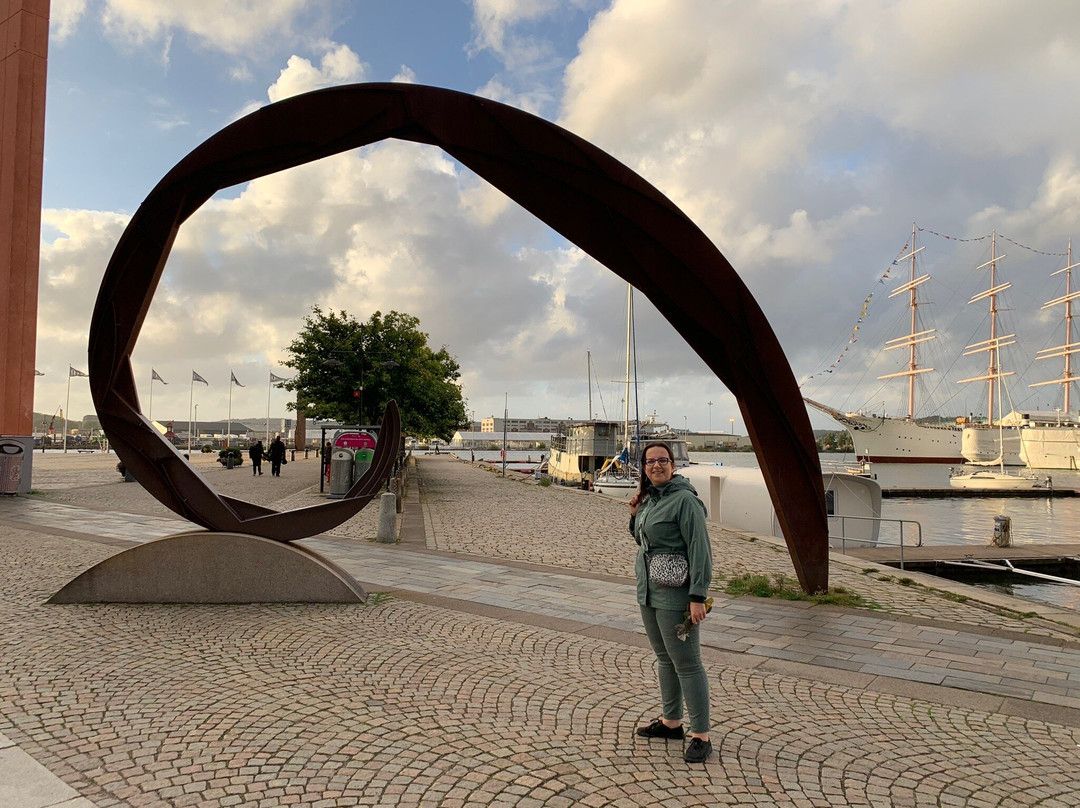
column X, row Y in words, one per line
column 255, row 453
column 276, row 455
column 673, row 570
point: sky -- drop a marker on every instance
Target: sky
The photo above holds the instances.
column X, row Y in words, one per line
column 804, row 138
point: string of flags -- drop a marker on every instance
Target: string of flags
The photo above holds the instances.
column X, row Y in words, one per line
column 864, row 313
column 983, row 238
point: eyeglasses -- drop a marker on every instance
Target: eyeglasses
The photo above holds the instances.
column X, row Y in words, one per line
column 657, row 461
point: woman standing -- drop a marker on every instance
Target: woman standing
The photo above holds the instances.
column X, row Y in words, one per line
column 673, row 570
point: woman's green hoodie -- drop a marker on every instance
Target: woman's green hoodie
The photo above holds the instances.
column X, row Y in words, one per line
column 672, row 520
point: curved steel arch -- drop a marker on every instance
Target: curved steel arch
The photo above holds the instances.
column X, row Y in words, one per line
column 577, row 189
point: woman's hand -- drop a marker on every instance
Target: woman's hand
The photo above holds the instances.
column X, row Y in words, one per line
column 697, row 612
column 635, row 503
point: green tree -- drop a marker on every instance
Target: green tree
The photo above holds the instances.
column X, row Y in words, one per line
column 348, row 371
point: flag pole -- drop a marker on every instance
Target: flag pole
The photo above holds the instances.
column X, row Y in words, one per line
column 67, row 406
column 228, row 429
column 268, row 383
column 150, row 409
column 191, row 401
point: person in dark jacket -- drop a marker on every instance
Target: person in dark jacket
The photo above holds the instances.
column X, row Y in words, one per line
column 667, row 519
column 255, row 453
column 276, row 455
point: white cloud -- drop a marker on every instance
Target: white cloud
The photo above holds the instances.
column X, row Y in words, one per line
column 64, row 17
column 231, row 26
column 339, row 65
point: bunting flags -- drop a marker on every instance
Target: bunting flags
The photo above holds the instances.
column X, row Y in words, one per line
column 156, row 377
column 73, row 372
column 864, row 313
column 234, row 379
column 195, row 377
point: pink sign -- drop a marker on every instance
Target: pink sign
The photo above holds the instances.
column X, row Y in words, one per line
column 355, row 440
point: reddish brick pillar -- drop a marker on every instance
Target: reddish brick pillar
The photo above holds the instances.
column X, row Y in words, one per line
column 24, row 42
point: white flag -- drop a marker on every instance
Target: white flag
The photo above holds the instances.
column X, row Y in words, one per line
column 195, row 377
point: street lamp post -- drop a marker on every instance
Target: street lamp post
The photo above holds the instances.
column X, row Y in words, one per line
column 710, row 416
column 732, row 422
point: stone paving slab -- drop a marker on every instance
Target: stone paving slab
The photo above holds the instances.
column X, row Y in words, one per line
column 865, row 642
column 438, row 697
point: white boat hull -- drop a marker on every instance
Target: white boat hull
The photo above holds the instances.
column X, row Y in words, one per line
column 995, row 481
column 1050, row 447
column 881, row 439
column 738, row 498
column 983, row 444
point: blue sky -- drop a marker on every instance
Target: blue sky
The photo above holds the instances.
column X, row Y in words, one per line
column 802, row 137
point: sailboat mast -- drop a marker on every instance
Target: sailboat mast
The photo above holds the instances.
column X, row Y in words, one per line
column 1068, row 326
column 913, row 337
column 588, row 379
column 1069, row 347
column 991, row 370
column 992, row 347
column 626, row 398
column 914, row 303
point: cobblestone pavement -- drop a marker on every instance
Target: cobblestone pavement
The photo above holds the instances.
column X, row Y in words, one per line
column 434, row 698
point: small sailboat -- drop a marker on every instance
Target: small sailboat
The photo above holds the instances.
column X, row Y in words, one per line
column 619, row 477
column 985, row 477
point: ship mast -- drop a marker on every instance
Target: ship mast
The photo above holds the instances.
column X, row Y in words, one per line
column 629, row 337
column 992, row 347
column 913, row 337
column 1070, row 347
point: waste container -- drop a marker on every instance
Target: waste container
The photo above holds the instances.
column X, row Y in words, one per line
column 341, row 472
column 362, row 462
column 11, row 462
column 1002, row 531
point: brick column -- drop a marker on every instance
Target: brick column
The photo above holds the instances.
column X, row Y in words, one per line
column 24, row 42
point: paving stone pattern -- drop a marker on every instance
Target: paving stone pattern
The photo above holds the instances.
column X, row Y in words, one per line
column 413, row 701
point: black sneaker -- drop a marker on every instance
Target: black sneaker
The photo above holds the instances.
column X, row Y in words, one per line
column 698, row 751
column 658, row 729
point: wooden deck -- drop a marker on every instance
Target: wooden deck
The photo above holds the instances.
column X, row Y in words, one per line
column 930, row 555
column 942, row 493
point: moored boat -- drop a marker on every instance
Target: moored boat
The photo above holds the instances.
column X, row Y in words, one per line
column 738, row 499
column 904, row 439
column 995, row 480
column 1054, row 442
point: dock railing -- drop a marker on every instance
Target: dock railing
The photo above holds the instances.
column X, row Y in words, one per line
column 843, row 538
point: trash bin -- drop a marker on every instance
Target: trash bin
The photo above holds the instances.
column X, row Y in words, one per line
column 341, row 472
column 1002, row 531
column 11, row 462
column 362, row 462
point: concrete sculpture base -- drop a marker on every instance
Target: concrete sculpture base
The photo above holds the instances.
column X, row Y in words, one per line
column 207, row 567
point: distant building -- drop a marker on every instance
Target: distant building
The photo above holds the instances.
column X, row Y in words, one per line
column 493, row 440
column 538, row 424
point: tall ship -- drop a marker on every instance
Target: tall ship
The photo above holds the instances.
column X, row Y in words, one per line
column 1052, row 440
column 989, row 443
column 902, row 439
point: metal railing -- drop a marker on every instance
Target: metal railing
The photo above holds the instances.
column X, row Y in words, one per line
column 900, row 523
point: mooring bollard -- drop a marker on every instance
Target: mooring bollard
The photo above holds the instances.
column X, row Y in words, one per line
column 387, row 519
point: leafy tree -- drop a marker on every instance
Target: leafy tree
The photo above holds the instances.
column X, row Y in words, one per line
column 836, row 442
column 348, row 370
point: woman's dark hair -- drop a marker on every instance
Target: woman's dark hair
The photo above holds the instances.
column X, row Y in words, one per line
column 643, row 479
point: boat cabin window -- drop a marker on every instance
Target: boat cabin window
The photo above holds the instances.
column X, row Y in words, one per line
column 830, row 502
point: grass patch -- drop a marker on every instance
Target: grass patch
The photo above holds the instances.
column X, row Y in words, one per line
column 905, row 582
column 784, row 588
column 545, row 482
column 379, row 598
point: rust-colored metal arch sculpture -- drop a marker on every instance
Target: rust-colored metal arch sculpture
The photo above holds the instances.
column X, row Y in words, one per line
column 577, row 189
